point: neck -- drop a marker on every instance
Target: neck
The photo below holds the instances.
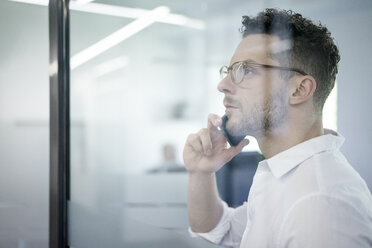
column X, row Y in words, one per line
column 289, row 135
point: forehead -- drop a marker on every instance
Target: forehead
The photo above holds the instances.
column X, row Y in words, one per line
column 260, row 48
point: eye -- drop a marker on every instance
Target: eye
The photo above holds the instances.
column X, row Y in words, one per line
column 248, row 71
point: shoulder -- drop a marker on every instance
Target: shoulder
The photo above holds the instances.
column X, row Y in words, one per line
column 325, row 220
column 328, row 171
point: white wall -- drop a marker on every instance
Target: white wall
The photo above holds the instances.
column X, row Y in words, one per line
column 353, row 32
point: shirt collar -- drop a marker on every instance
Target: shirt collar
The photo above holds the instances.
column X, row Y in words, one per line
column 285, row 161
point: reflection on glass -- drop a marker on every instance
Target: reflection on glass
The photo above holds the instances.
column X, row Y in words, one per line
column 132, row 104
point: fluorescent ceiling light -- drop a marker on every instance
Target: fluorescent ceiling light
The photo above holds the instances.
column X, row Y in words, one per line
column 134, row 13
column 111, row 10
column 105, row 9
column 83, row 1
column 118, row 36
column 37, row 2
column 111, row 65
column 143, row 18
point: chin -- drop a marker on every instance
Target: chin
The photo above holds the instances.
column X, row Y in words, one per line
column 238, row 127
column 235, row 127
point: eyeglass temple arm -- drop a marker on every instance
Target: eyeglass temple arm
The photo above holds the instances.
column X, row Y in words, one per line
column 285, row 68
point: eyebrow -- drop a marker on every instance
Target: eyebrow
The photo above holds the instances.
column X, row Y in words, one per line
column 246, row 60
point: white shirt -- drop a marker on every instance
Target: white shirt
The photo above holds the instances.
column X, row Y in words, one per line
column 307, row 196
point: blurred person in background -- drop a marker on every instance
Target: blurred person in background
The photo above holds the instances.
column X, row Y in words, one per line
column 169, row 161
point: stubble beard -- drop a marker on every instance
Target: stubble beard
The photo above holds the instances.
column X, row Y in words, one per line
column 263, row 119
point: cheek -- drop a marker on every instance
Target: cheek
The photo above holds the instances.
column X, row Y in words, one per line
column 250, row 101
column 271, row 84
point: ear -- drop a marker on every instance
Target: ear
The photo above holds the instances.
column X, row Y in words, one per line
column 302, row 89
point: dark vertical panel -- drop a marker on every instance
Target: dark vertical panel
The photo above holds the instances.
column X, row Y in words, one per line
column 59, row 121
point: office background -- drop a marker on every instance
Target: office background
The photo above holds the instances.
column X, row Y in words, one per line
column 144, row 94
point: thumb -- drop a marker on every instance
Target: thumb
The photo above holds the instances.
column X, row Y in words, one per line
column 232, row 151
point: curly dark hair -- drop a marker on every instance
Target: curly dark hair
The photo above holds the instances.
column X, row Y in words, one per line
column 313, row 50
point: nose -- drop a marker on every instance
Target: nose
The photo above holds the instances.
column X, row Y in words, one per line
column 226, row 85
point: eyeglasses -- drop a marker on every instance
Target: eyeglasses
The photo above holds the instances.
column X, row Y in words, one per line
column 240, row 69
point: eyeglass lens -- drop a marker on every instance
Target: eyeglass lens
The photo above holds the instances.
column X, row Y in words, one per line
column 237, row 73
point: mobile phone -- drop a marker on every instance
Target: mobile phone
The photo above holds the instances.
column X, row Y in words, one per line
column 232, row 140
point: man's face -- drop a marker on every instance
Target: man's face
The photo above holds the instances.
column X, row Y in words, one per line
column 259, row 104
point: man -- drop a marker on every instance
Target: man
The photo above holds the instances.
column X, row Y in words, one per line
column 304, row 194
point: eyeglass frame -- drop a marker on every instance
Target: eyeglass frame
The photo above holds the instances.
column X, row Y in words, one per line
column 249, row 62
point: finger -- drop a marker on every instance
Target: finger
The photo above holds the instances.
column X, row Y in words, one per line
column 234, row 150
column 214, row 121
column 206, row 141
column 194, row 141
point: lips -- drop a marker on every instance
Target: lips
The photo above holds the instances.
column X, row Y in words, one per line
column 230, row 105
column 230, row 108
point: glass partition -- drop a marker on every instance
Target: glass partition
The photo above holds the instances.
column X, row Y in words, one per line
column 24, row 125
column 144, row 75
column 132, row 106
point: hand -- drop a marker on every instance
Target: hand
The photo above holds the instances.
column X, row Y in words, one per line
column 206, row 151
